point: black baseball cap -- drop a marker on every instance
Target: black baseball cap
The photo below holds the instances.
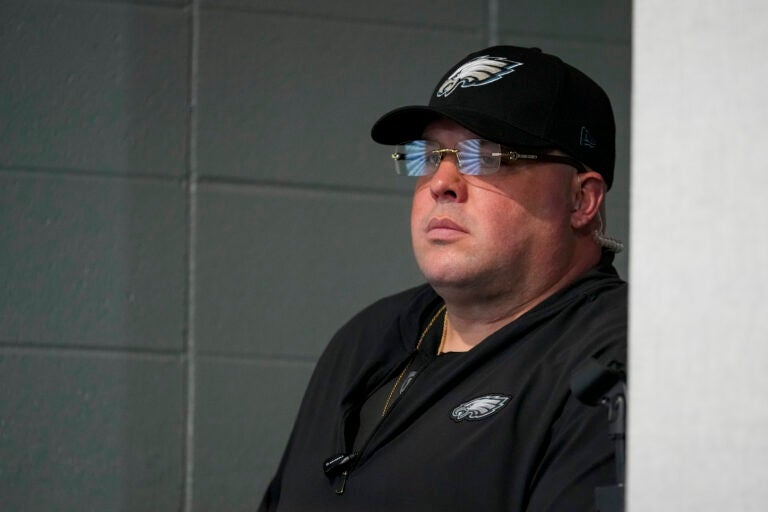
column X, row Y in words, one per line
column 518, row 97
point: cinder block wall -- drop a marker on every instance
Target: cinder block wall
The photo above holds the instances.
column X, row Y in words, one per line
column 190, row 205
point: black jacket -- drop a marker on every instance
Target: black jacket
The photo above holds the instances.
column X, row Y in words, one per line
column 495, row 428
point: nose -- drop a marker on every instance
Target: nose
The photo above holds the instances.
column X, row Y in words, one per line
column 447, row 184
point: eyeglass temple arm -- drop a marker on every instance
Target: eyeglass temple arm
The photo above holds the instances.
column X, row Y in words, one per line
column 514, row 155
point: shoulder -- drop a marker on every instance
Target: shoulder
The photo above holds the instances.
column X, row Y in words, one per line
column 586, row 320
column 380, row 330
column 596, row 320
column 383, row 312
column 599, row 298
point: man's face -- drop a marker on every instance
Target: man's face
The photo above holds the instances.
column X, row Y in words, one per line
column 491, row 234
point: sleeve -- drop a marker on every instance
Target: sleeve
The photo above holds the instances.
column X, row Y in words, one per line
column 271, row 497
column 579, row 459
column 580, row 455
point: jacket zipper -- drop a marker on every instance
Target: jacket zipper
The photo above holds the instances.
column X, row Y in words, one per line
column 340, row 483
column 350, row 461
column 338, row 466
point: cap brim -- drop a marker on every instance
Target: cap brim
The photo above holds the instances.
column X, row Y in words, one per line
column 408, row 123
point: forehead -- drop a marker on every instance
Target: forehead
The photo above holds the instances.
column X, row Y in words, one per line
column 445, row 131
column 448, row 133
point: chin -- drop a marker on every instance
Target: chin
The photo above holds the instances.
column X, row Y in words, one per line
column 446, row 276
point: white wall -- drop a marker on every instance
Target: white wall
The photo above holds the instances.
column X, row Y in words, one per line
column 699, row 257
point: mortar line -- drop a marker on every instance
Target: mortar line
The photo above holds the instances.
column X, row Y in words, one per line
column 493, row 22
column 191, row 355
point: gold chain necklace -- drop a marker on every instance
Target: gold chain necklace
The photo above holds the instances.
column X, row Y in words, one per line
column 418, row 347
column 445, row 331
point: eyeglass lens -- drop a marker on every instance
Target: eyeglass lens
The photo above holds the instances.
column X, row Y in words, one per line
column 422, row 157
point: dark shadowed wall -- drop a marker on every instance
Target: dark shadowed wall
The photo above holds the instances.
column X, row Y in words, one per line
column 190, row 205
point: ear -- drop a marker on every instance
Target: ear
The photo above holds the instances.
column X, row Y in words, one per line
column 588, row 194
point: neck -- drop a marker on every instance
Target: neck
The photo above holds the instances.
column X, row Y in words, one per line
column 472, row 317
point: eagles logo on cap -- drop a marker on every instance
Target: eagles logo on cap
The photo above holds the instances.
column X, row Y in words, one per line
column 479, row 71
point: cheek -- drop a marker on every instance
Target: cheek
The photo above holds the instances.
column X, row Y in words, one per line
column 420, row 204
column 502, row 224
column 549, row 203
column 512, row 221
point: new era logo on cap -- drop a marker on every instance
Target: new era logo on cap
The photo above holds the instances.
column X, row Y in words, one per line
column 587, row 140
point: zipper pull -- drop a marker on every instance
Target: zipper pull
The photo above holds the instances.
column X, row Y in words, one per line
column 338, row 468
column 341, row 482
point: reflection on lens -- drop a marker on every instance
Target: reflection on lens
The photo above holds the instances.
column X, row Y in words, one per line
column 416, row 158
column 477, row 156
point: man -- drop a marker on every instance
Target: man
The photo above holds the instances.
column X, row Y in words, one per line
column 455, row 395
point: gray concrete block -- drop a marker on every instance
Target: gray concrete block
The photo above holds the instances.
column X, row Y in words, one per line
column 89, row 261
column 596, row 20
column 465, row 14
column 281, row 270
column 94, row 86
column 243, row 417
column 83, row 431
column 286, row 99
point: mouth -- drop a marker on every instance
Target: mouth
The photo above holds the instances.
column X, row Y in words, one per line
column 444, row 228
